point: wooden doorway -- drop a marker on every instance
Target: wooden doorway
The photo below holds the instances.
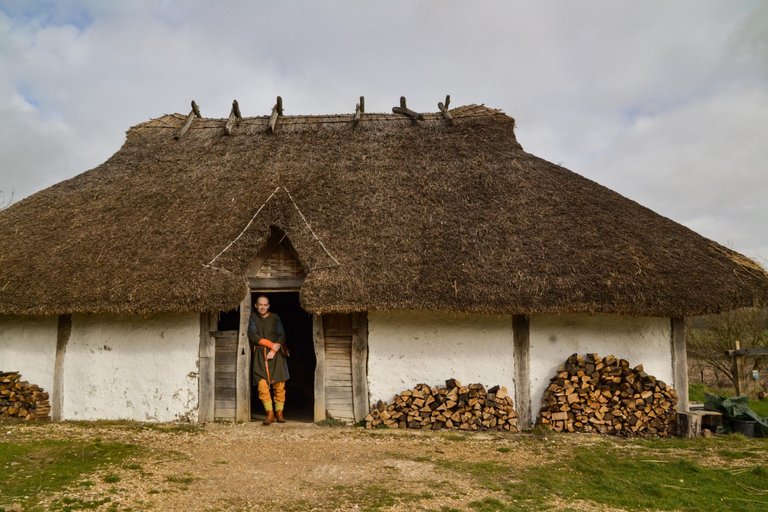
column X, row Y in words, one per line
column 329, row 360
column 300, row 396
column 328, row 365
column 277, row 273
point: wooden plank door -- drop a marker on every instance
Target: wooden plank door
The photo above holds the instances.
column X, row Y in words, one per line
column 225, row 398
column 344, row 366
column 338, row 367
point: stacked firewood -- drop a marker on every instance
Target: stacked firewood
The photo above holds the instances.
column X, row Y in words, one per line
column 589, row 394
column 454, row 406
column 20, row 399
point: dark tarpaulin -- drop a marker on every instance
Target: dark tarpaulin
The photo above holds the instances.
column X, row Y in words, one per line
column 736, row 408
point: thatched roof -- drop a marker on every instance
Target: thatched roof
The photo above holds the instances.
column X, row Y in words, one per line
column 418, row 216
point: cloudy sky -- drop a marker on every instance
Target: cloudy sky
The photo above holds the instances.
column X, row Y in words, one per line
column 664, row 102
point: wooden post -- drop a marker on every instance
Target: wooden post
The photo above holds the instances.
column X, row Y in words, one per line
column 195, row 112
column 360, row 403
column 737, row 367
column 444, row 109
column 359, row 111
column 207, row 355
column 688, row 425
column 242, row 378
column 521, row 327
column 63, row 332
column 318, row 337
column 737, row 364
column 277, row 111
column 404, row 110
column 680, row 364
column 234, row 116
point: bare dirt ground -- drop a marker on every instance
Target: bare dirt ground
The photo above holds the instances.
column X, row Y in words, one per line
column 297, row 466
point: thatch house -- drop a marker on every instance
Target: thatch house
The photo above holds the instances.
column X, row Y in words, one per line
column 398, row 249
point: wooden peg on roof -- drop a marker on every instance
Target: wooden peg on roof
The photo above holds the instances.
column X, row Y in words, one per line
column 359, row 110
column 277, row 110
column 444, row 109
column 404, row 110
column 234, row 115
column 195, row 112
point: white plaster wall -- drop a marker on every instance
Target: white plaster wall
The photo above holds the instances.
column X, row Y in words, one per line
column 132, row 367
column 553, row 338
column 406, row 348
column 28, row 344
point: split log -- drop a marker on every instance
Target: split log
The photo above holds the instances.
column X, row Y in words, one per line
column 590, row 394
column 20, row 399
column 454, row 407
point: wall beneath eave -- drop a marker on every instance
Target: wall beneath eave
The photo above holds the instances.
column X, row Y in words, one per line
column 553, row 338
column 406, row 348
column 132, row 367
column 28, row 344
column 409, row 347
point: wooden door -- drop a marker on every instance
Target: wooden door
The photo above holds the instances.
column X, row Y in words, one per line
column 338, row 367
column 342, row 367
column 225, row 397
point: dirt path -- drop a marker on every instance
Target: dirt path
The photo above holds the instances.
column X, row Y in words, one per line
column 297, row 467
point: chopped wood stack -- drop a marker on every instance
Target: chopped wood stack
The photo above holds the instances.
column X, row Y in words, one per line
column 454, row 407
column 590, row 394
column 20, row 399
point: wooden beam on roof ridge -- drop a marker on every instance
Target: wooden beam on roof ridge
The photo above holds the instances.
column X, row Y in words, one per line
column 444, row 109
column 234, row 116
column 359, row 111
column 277, row 111
column 404, row 110
column 195, row 112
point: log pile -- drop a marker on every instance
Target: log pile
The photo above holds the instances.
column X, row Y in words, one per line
column 454, row 406
column 590, row 394
column 20, row 399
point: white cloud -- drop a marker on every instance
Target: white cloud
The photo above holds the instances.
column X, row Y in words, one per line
column 663, row 102
column 703, row 164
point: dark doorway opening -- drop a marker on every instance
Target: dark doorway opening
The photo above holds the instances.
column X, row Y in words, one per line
column 229, row 320
column 300, row 388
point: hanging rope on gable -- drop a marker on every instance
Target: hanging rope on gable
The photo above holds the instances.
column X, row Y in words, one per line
column 210, row 263
column 303, row 218
column 310, row 228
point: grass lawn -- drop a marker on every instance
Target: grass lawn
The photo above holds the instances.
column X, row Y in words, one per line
column 637, row 475
column 475, row 472
column 31, row 468
column 759, row 406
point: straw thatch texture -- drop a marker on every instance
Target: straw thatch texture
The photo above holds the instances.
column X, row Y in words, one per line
column 424, row 216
